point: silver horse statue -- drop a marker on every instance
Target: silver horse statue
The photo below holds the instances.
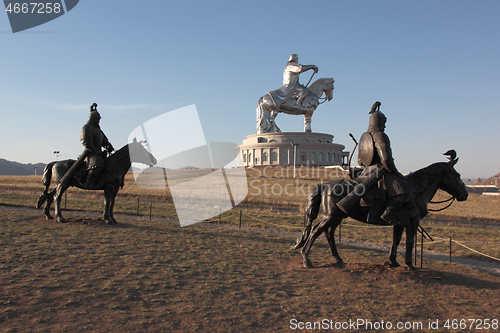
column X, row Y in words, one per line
column 293, row 98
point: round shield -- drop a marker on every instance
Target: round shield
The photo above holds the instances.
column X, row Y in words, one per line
column 366, row 149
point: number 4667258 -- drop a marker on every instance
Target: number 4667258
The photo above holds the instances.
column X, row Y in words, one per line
column 34, row 8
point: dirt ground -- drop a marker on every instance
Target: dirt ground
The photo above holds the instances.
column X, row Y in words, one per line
column 147, row 276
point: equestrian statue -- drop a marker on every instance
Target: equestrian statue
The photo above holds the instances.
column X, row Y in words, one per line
column 379, row 195
column 293, row 98
column 95, row 169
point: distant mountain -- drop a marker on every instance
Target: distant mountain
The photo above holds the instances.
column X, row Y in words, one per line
column 490, row 181
column 19, row 169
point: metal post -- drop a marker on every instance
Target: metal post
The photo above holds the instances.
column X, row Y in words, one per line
column 415, row 240
column 138, row 202
column 450, row 249
column 422, row 251
column 150, row 208
column 240, row 221
column 294, row 157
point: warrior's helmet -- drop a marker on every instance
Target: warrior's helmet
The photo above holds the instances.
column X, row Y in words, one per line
column 94, row 116
column 377, row 119
column 293, row 58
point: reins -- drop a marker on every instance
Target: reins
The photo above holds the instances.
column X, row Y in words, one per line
column 443, row 201
column 310, row 79
column 324, row 100
column 117, row 154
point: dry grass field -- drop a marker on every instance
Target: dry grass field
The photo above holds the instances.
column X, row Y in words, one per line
column 271, row 188
column 153, row 276
column 267, row 187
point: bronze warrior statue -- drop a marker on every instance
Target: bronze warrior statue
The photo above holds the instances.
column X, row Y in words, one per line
column 102, row 172
column 398, row 189
column 379, row 196
column 375, row 155
column 93, row 139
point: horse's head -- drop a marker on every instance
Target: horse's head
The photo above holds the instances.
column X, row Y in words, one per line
column 451, row 181
column 323, row 85
column 328, row 89
column 139, row 154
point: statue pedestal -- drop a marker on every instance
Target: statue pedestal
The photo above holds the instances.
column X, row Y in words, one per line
column 306, row 148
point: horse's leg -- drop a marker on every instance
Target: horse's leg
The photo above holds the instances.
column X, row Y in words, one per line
column 42, row 198
column 58, row 196
column 315, row 233
column 329, row 209
column 312, row 210
column 48, row 202
column 330, row 235
column 397, row 233
column 112, row 204
column 411, row 232
column 46, row 179
column 307, row 121
column 108, row 192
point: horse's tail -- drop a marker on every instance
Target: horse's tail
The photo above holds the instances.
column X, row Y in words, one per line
column 312, row 211
column 46, row 178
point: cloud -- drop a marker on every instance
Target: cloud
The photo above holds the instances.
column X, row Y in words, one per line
column 114, row 108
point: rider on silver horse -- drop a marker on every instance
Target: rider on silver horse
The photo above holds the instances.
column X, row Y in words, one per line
column 291, row 86
column 93, row 139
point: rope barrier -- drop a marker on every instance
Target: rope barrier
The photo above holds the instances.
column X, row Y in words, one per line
column 277, row 225
column 220, row 219
column 465, row 246
column 367, row 226
column 468, row 248
column 447, row 239
column 223, row 218
column 362, row 226
column 444, row 239
column 435, row 242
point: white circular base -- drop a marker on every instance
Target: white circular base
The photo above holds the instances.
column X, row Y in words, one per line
column 306, row 148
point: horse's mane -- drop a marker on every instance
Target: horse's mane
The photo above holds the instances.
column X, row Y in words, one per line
column 117, row 155
column 420, row 179
column 316, row 84
column 320, row 81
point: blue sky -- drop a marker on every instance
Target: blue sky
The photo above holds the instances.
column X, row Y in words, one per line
column 434, row 65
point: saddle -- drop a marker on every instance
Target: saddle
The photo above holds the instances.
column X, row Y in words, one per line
column 83, row 170
column 375, row 199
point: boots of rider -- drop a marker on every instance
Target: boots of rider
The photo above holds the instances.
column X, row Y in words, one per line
column 301, row 98
column 92, row 175
column 390, row 213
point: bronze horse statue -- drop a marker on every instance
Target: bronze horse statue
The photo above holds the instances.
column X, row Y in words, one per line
column 110, row 180
column 426, row 181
